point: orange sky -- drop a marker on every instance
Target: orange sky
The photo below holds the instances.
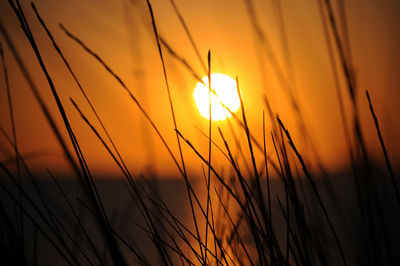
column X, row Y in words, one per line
column 119, row 31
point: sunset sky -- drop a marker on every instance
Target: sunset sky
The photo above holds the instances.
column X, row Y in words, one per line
column 120, row 32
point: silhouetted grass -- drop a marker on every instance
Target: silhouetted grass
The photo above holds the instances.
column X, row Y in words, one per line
column 243, row 221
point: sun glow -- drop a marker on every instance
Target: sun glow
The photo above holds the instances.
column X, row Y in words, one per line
column 226, row 93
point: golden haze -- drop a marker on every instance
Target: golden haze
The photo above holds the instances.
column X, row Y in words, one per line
column 120, row 33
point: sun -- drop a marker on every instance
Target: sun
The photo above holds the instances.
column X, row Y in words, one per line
column 226, row 91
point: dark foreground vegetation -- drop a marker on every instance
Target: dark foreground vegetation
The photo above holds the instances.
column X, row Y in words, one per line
column 277, row 212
